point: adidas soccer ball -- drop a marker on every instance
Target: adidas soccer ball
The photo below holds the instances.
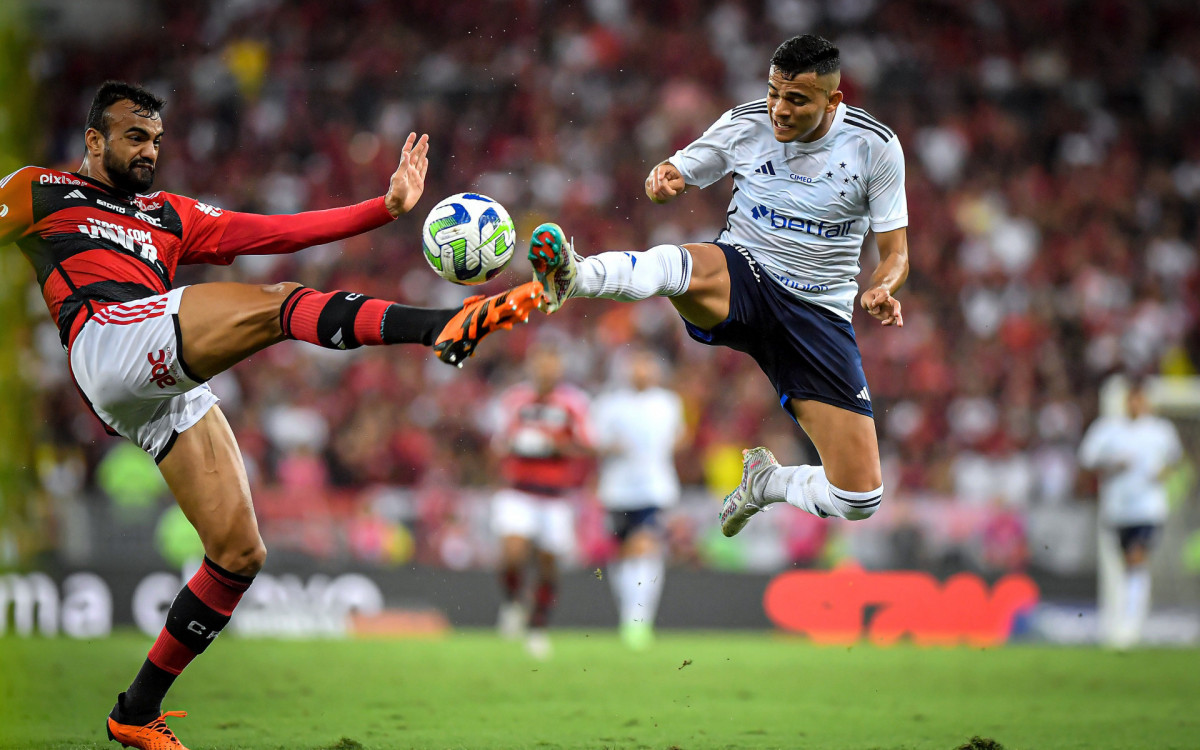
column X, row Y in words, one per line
column 468, row 238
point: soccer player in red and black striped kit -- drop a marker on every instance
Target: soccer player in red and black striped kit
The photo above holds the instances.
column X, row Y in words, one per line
column 141, row 352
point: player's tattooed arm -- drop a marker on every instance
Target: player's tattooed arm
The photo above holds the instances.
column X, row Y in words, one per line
column 408, row 182
column 664, row 183
column 888, row 277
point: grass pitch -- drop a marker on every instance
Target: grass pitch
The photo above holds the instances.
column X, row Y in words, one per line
column 471, row 690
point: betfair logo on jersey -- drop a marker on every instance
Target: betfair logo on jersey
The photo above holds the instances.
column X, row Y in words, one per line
column 212, row 211
column 137, row 241
column 808, row 226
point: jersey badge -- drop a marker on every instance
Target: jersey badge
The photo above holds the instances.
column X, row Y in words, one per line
column 767, row 168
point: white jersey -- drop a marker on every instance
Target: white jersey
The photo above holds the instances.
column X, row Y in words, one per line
column 1135, row 452
column 636, row 432
column 802, row 209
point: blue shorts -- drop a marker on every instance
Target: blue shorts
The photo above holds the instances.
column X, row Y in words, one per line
column 622, row 523
column 807, row 352
column 1141, row 535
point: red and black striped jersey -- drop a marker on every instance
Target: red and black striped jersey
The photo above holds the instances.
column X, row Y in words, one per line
column 543, row 439
column 92, row 245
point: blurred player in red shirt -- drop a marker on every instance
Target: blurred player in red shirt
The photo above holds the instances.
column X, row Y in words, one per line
column 141, row 350
column 544, row 448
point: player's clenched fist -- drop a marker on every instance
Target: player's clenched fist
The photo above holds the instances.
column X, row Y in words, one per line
column 883, row 306
column 664, row 183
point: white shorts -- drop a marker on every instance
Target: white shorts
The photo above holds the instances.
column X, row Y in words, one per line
column 126, row 362
column 549, row 522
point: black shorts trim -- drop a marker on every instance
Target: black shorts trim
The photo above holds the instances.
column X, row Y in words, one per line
column 183, row 365
column 158, row 458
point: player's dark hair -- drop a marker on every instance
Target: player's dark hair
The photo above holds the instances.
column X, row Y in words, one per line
column 806, row 54
column 111, row 92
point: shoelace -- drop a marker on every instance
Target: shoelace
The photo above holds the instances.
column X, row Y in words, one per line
column 160, row 724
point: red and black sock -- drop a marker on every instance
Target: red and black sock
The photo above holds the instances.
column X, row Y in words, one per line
column 199, row 613
column 544, row 597
column 510, row 583
column 346, row 320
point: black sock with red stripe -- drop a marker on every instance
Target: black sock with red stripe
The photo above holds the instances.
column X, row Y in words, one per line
column 345, row 320
column 199, row 613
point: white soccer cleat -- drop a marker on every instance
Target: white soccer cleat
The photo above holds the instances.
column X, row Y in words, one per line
column 741, row 504
column 537, row 643
column 555, row 264
column 510, row 625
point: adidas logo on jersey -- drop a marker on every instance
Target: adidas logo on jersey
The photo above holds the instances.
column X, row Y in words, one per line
column 76, row 194
column 767, row 168
column 863, row 395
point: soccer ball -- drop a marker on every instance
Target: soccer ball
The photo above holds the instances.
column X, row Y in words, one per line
column 468, row 238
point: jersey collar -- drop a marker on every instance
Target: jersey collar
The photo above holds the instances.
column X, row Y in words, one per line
column 799, row 147
column 121, row 194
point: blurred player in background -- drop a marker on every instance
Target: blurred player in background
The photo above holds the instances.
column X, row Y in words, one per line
column 637, row 429
column 811, row 176
column 1132, row 453
column 141, row 352
column 544, row 449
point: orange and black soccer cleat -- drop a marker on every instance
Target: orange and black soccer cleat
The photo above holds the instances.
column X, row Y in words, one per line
column 480, row 316
column 153, row 736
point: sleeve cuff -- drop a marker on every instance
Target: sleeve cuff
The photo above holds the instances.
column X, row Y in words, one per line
column 890, row 224
column 382, row 205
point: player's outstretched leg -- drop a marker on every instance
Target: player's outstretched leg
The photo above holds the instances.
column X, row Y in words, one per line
column 223, row 323
column 344, row 320
column 664, row 270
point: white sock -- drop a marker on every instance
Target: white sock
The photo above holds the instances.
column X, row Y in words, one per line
column 628, row 595
column 644, row 584
column 663, row 270
column 806, row 488
column 1137, row 602
column 616, row 581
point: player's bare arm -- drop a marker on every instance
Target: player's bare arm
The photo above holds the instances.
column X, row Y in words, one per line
column 888, row 277
column 664, row 183
column 408, row 181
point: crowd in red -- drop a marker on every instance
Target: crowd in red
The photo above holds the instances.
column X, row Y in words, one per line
column 1053, row 176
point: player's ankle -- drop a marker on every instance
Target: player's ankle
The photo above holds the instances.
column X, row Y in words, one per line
column 774, row 487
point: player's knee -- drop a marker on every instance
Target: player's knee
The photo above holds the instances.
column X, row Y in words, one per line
column 241, row 556
column 282, row 289
column 856, row 506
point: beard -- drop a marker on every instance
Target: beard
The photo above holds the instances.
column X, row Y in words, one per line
column 134, row 177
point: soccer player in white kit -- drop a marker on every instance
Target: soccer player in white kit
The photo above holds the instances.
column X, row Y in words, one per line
column 1132, row 453
column 811, row 177
column 636, row 430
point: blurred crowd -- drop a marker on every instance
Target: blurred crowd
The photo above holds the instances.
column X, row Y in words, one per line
column 1053, row 176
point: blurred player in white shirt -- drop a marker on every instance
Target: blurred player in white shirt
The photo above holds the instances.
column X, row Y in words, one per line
column 544, row 449
column 636, row 431
column 1132, row 454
